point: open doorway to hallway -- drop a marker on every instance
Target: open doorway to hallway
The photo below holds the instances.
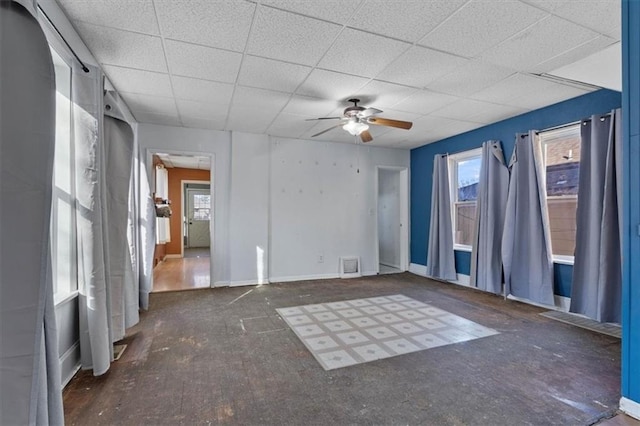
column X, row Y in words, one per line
column 183, row 244
column 392, row 220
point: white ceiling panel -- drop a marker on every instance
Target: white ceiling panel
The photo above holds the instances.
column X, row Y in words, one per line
column 461, row 33
column 352, row 53
column 602, row 69
column 425, row 102
column 165, row 120
column 212, row 111
column 419, row 66
column 138, row 16
column 337, row 11
column 203, row 123
column 148, row 103
column 222, row 24
column 596, row 45
column 331, row 85
column 194, row 89
column 538, row 43
column 408, row 21
column 309, row 107
column 473, row 76
column 602, row 15
column 111, row 47
column 268, row 100
column 271, row 74
column 528, row 92
column 478, row 111
column 249, row 119
column 381, row 94
column 138, row 81
column 190, row 60
column 290, row 37
column 289, row 125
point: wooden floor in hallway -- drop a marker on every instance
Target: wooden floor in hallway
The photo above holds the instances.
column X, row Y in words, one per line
column 225, row 356
column 191, row 272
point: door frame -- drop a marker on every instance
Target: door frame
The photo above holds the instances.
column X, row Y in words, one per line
column 182, row 212
column 403, row 190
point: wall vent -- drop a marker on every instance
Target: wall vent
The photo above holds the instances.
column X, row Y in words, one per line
column 350, row 267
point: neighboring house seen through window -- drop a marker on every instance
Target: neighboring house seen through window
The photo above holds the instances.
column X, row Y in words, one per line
column 464, row 171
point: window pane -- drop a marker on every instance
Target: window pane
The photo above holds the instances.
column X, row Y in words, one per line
column 562, row 221
column 563, row 166
column 468, row 172
column 201, row 206
column 465, row 216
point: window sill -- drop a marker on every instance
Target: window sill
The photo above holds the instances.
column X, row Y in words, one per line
column 563, row 260
column 460, row 247
column 64, row 299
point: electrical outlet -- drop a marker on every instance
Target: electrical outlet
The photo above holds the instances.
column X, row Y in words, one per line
column 320, row 259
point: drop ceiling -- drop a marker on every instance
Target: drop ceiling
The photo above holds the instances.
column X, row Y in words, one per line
column 449, row 66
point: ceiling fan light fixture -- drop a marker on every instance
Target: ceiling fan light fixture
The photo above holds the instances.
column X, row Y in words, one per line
column 355, row 127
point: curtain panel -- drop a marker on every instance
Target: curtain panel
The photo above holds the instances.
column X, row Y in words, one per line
column 493, row 188
column 29, row 363
column 596, row 290
column 440, row 255
column 526, row 241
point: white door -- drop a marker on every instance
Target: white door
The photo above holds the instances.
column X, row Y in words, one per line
column 198, row 218
column 389, row 221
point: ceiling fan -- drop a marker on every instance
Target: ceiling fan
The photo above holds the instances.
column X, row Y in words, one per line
column 356, row 119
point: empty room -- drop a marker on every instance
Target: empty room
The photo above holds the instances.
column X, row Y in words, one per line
column 320, row 212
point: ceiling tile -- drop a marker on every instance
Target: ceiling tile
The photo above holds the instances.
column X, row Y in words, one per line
column 337, row 11
column 477, row 111
column 359, row 53
column 138, row 16
column 113, row 47
column 289, row 125
column 424, row 102
column 430, row 128
column 473, row 76
column 203, row 123
column 269, row 101
column 381, row 94
column 539, row 43
column 289, row 37
column 137, row 81
column 601, row 15
column 309, row 107
column 222, row 24
column 194, row 89
column 481, row 24
column 249, row 119
column 271, row 74
column 580, row 52
column 331, row 85
column 202, row 110
column 410, row 21
column 148, row 103
column 419, row 66
column 166, row 120
column 528, row 92
column 190, row 60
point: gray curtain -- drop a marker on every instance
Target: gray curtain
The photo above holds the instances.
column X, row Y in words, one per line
column 147, row 236
column 526, row 242
column 440, row 255
column 486, row 258
column 30, row 388
column 596, row 289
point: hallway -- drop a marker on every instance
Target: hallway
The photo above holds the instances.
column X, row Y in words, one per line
column 189, row 273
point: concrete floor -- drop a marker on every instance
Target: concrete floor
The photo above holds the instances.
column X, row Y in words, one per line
column 191, row 360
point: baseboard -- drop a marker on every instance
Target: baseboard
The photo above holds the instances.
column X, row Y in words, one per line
column 173, row 256
column 630, row 407
column 561, row 303
column 221, row 284
column 463, row 280
column 303, row 278
column 70, row 363
column 416, row 268
column 369, row 273
column 390, row 265
column 247, row 282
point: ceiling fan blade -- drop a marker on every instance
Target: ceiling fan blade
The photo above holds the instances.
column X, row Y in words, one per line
column 366, row 136
column 326, row 130
column 323, row 118
column 379, row 121
column 369, row 112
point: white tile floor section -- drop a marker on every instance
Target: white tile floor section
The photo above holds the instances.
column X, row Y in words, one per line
column 340, row 334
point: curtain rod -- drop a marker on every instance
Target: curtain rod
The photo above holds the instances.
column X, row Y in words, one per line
column 562, row 126
column 84, row 67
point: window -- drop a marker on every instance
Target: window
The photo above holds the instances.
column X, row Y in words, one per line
column 464, row 171
column 63, row 229
column 561, row 156
column 201, row 207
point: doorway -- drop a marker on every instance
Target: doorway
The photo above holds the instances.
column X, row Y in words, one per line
column 185, row 184
column 392, row 220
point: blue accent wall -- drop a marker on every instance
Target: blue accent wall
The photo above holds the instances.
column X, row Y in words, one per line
column 575, row 109
column 631, row 200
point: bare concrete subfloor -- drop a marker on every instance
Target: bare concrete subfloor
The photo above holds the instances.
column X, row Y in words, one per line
column 191, row 360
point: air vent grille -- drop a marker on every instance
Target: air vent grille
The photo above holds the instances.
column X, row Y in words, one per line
column 350, row 267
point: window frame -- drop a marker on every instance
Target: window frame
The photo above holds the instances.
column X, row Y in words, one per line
column 546, row 137
column 453, row 160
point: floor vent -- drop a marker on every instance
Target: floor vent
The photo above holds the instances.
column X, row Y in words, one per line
column 350, row 267
column 613, row 330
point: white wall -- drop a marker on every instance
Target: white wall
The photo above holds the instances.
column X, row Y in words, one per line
column 389, row 217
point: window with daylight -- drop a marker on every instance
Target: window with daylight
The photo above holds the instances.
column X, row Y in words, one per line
column 63, row 214
column 561, row 156
column 464, row 171
column 201, row 207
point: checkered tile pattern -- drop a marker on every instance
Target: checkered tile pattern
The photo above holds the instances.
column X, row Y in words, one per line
column 351, row 332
